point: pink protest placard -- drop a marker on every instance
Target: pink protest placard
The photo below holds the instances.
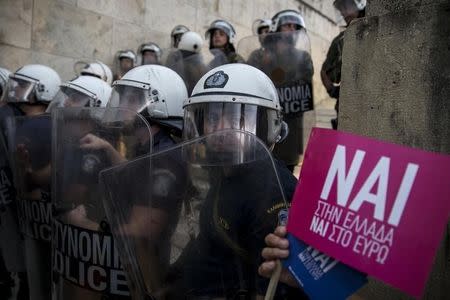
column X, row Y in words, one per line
column 377, row 207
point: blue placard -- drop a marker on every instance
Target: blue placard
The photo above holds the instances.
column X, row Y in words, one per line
column 321, row 276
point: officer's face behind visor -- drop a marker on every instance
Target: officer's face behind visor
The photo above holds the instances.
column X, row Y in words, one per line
column 128, row 97
column 20, row 90
column 149, row 57
column 289, row 20
column 131, row 99
column 126, row 64
column 68, row 97
column 204, row 118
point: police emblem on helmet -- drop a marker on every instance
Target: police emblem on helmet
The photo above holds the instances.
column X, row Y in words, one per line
column 216, row 80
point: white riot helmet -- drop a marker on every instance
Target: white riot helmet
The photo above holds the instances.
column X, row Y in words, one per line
column 287, row 16
column 176, row 33
column 4, row 75
column 191, row 41
column 33, row 84
column 234, row 96
column 127, row 54
column 154, row 91
column 260, row 24
column 97, row 69
column 151, row 47
column 224, row 26
column 83, row 91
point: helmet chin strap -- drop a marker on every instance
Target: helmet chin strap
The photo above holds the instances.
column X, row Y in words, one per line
column 283, row 132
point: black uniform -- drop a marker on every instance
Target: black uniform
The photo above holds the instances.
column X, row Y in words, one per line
column 333, row 64
column 223, row 260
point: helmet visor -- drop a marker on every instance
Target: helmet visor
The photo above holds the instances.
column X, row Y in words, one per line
column 290, row 19
column 149, row 57
column 125, row 64
column 69, row 97
column 20, row 90
column 203, row 118
column 129, row 97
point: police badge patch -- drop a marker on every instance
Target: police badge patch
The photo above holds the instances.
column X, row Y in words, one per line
column 216, row 80
column 90, row 163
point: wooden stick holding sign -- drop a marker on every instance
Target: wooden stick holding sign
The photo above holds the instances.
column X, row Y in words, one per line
column 271, row 289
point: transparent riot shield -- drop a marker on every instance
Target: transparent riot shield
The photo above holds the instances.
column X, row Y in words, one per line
column 190, row 222
column 218, row 58
column 86, row 264
column 191, row 66
column 6, row 110
column 29, row 143
column 7, row 194
column 11, row 241
column 285, row 57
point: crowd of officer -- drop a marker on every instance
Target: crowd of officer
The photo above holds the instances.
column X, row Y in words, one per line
column 171, row 95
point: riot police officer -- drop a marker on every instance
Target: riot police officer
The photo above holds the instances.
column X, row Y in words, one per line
column 28, row 93
column 284, row 57
column 331, row 68
column 150, row 53
column 221, row 35
column 147, row 99
column 192, row 65
column 239, row 209
column 32, row 158
column 125, row 60
column 88, row 137
column 261, row 26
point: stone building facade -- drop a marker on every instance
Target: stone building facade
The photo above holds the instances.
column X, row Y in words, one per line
column 60, row 32
column 395, row 87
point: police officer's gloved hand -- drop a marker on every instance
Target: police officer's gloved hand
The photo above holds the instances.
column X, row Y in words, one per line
column 334, row 91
